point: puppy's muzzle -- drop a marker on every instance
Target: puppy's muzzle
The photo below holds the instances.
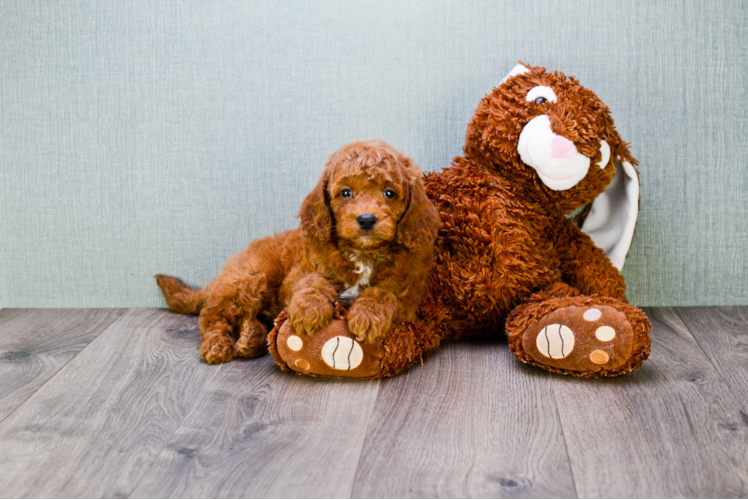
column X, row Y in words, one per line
column 366, row 221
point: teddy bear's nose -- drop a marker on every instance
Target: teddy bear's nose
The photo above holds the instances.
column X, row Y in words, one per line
column 366, row 221
column 562, row 148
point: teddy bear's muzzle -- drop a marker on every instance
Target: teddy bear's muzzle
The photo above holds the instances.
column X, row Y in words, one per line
column 558, row 163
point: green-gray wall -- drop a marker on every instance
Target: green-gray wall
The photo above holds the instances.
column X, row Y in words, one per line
column 144, row 137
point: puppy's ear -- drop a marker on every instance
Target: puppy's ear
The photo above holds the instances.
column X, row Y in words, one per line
column 420, row 223
column 316, row 214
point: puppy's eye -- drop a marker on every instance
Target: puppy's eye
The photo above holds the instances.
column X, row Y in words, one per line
column 346, row 193
column 389, row 194
column 540, row 100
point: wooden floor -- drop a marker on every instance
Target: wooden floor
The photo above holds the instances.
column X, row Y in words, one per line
column 117, row 403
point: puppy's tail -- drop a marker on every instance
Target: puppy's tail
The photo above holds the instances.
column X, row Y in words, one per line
column 180, row 297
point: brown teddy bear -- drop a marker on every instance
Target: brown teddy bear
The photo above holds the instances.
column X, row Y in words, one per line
column 510, row 259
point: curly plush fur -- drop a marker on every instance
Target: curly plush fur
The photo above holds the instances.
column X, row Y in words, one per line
column 382, row 267
column 506, row 239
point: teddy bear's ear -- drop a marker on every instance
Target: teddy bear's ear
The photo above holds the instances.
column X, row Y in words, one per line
column 612, row 217
column 517, row 70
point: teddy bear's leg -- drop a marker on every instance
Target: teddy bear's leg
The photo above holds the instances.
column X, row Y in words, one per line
column 334, row 352
column 563, row 331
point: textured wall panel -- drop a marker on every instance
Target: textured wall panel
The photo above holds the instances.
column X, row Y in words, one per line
column 145, row 137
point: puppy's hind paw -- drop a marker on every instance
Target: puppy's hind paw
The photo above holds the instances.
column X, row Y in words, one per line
column 252, row 339
column 218, row 349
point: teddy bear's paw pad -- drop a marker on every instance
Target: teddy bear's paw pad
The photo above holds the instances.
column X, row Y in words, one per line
column 342, row 353
column 329, row 352
column 581, row 339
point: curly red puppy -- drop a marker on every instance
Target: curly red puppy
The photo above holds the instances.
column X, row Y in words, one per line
column 366, row 236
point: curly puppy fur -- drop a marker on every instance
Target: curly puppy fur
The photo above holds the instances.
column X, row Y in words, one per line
column 367, row 231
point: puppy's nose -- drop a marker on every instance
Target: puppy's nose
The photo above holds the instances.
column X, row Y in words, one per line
column 366, row 221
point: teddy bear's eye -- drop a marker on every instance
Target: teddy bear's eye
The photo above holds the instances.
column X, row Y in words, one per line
column 346, row 193
column 541, row 94
column 389, row 194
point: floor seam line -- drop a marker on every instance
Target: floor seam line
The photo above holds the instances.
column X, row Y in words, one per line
column 63, row 366
column 366, row 436
column 563, row 436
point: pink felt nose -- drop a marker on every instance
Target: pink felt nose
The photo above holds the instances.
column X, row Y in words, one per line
column 562, row 148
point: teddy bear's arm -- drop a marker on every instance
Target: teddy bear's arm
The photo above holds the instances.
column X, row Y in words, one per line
column 585, row 266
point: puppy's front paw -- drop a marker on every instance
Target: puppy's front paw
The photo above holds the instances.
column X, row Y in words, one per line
column 367, row 323
column 217, row 349
column 309, row 313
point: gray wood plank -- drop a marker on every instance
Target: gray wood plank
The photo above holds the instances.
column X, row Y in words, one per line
column 95, row 427
column 36, row 343
column 671, row 429
column 260, row 432
column 722, row 332
column 471, row 422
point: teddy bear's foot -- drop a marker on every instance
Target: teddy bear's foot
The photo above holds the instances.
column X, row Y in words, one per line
column 580, row 339
column 334, row 352
column 329, row 352
column 581, row 336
